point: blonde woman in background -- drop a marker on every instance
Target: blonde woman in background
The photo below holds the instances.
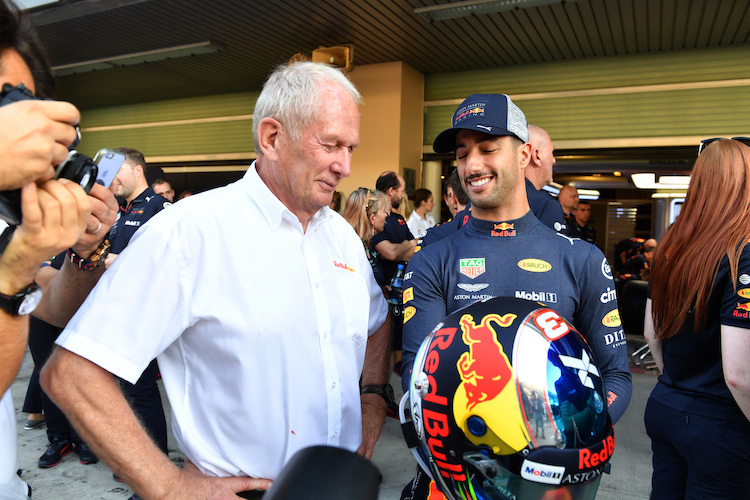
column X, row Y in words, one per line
column 366, row 211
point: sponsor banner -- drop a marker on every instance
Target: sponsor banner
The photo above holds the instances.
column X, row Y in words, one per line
column 608, row 296
column 534, row 265
column 409, row 312
column 542, row 473
column 612, row 318
column 544, row 297
column 472, row 267
column 408, row 294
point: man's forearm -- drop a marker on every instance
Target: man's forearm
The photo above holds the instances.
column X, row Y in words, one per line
column 396, row 251
column 375, row 371
column 94, row 404
column 376, row 368
column 64, row 291
column 14, row 332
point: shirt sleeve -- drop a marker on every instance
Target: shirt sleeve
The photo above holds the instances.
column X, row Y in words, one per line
column 130, row 317
column 424, row 306
column 598, row 320
column 735, row 306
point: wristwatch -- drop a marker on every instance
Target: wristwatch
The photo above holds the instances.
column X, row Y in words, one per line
column 23, row 302
column 384, row 390
column 95, row 260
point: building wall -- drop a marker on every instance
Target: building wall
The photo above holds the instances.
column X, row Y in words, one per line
column 664, row 99
column 218, row 128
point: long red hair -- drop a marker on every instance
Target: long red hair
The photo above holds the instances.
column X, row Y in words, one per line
column 714, row 222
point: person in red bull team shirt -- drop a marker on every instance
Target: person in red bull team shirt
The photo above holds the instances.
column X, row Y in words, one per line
column 698, row 414
column 504, row 250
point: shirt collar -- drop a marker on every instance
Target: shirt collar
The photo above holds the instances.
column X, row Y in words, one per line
column 509, row 228
column 272, row 208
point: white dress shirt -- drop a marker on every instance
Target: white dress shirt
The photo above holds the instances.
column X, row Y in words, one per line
column 260, row 328
column 11, row 486
column 419, row 226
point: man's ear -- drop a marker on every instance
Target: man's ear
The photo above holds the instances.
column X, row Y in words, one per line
column 535, row 158
column 269, row 131
column 525, row 154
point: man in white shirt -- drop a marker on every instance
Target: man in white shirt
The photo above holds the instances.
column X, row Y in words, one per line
column 265, row 314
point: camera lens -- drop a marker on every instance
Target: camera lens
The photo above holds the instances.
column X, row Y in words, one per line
column 78, row 168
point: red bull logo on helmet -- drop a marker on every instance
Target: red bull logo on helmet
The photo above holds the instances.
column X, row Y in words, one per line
column 488, row 389
column 485, row 369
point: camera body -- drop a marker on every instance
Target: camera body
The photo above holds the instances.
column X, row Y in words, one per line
column 76, row 167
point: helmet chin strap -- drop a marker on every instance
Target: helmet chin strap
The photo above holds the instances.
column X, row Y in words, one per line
column 410, row 434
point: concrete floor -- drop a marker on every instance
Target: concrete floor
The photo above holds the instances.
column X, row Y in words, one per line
column 630, row 477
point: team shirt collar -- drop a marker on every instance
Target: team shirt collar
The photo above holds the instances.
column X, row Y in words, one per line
column 503, row 229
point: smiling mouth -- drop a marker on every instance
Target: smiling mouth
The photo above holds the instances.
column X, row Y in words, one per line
column 478, row 181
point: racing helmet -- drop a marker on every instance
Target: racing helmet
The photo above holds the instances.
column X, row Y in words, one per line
column 506, row 401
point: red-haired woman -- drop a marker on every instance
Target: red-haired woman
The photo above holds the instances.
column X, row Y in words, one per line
column 698, row 327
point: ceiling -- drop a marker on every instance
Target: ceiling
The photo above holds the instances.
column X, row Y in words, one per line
column 256, row 35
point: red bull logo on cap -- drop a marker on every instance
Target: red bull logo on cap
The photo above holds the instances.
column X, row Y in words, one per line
column 485, row 369
column 465, row 113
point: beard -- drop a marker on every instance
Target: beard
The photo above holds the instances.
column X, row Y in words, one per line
column 506, row 182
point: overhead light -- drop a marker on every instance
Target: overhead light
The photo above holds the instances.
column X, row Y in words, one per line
column 588, row 194
column 191, row 49
column 675, row 195
column 648, row 181
column 583, row 194
column 30, row 4
column 474, row 7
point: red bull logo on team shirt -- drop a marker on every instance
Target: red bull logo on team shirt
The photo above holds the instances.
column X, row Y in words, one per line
column 503, row 229
column 742, row 307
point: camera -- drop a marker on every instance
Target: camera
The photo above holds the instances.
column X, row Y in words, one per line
column 76, row 167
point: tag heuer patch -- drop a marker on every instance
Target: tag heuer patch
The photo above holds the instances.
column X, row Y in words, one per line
column 472, row 267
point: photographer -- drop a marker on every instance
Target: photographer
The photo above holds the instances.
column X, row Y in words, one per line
column 57, row 214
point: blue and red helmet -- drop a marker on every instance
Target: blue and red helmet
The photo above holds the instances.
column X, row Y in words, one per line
column 506, row 401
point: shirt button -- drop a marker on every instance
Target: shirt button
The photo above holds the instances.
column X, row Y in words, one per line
column 333, row 385
column 335, row 435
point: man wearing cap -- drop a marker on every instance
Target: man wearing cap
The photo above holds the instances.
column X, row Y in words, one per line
column 504, row 250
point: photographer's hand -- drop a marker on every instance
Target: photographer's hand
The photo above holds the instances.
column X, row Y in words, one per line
column 34, row 138
column 54, row 216
column 103, row 213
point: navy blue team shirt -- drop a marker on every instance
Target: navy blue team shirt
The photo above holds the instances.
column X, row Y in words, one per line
column 130, row 218
column 546, row 208
column 526, row 259
column 395, row 230
column 693, row 378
